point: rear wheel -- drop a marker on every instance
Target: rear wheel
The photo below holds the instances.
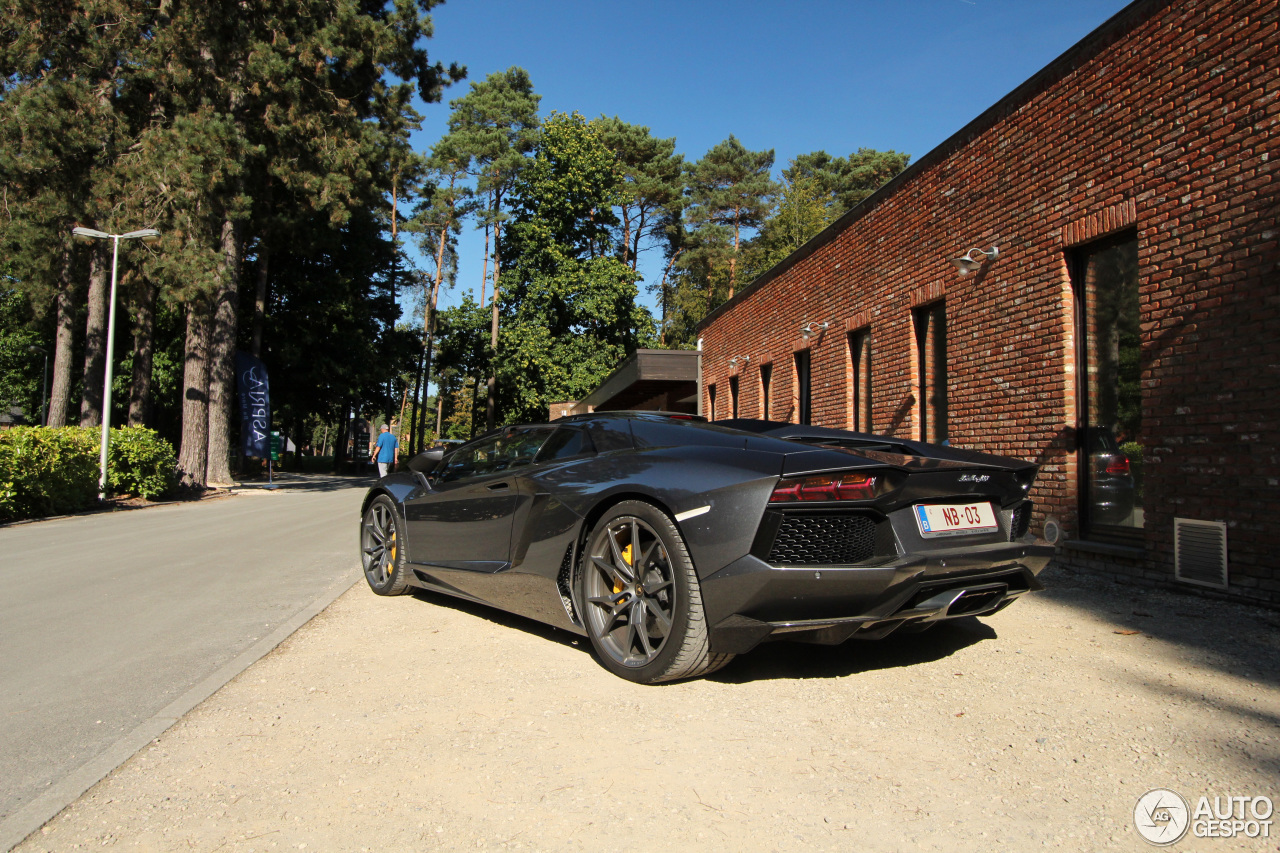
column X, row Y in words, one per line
column 381, row 548
column 641, row 601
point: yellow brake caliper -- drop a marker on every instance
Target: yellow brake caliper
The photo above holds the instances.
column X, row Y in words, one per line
column 393, row 548
column 626, row 555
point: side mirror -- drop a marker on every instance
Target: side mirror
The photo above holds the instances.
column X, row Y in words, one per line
column 426, row 460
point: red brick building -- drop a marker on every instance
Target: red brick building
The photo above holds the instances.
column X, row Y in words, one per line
column 1126, row 334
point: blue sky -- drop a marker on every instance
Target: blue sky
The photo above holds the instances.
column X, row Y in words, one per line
column 792, row 76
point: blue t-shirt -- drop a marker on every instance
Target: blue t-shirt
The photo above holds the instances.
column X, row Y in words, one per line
column 387, row 444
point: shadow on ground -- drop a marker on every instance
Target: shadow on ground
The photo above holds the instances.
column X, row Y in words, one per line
column 805, row 660
column 771, row 660
column 1234, row 638
column 309, row 483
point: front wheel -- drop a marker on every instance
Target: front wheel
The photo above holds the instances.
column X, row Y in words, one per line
column 641, row 601
column 381, row 548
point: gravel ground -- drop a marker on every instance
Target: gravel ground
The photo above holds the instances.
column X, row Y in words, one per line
column 421, row 723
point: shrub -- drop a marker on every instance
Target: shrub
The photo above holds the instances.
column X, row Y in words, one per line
column 53, row 471
column 140, row 462
column 47, row 471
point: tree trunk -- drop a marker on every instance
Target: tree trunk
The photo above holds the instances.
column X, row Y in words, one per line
column 340, row 438
column 222, row 358
column 194, row 452
column 95, row 338
column 490, row 404
column 429, row 324
column 439, row 411
column 143, row 351
column 260, row 299
column 64, row 340
column 475, row 398
column 415, row 433
column 484, row 277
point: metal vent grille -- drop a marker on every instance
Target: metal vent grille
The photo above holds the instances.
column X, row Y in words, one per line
column 1200, row 552
column 1021, row 520
column 563, row 579
column 815, row 540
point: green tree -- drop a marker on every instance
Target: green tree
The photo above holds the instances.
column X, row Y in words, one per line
column 494, row 126
column 21, row 369
column 570, row 313
column 729, row 191
column 651, row 183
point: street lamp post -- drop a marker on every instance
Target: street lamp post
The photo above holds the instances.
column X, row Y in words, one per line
column 44, row 389
column 146, row 235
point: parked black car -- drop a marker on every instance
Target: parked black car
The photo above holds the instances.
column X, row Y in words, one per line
column 675, row 544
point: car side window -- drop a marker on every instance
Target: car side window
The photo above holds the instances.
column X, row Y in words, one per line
column 567, row 441
column 478, row 457
column 520, row 445
column 608, row 434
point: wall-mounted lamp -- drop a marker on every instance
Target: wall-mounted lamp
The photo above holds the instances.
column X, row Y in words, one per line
column 808, row 330
column 967, row 263
column 739, row 359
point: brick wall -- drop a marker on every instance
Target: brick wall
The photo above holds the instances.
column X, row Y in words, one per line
column 1164, row 121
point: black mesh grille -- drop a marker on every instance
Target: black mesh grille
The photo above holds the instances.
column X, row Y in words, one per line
column 1021, row 520
column 562, row 583
column 812, row 540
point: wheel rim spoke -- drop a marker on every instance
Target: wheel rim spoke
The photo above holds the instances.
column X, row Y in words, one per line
column 620, row 566
column 630, row 603
column 379, row 539
column 661, row 620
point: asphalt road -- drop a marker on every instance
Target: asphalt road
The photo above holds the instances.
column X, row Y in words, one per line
column 109, row 621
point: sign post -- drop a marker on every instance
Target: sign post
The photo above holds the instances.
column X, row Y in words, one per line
column 274, row 457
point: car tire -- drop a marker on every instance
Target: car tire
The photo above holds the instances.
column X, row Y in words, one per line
column 382, row 548
column 647, row 626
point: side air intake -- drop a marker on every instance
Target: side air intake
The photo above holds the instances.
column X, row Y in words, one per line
column 1200, row 552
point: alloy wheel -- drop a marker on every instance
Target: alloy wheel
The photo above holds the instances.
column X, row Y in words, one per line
column 630, row 591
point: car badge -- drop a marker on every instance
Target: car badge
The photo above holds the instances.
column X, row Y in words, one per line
column 974, row 478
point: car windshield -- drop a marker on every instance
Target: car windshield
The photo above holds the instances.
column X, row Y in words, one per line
column 510, row 448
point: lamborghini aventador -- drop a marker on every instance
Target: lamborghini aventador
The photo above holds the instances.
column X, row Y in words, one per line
column 674, row 544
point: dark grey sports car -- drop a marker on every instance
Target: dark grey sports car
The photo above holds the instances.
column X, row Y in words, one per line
column 675, row 544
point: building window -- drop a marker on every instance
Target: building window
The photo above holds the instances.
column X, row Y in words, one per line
column 1105, row 282
column 860, row 380
column 802, row 386
column 733, row 396
column 766, row 380
column 711, row 398
column 931, row 362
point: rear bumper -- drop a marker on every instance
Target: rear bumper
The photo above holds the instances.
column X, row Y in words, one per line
column 750, row 601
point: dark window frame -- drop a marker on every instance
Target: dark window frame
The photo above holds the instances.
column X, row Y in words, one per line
column 860, row 398
column 1078, row 258
column 804, row 387
column 766, row 381
column 930, row 327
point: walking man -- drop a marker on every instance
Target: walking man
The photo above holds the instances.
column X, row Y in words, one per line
column 388, row 451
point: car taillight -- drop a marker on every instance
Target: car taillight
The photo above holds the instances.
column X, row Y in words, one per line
column 825, row 487
column 1118, row 465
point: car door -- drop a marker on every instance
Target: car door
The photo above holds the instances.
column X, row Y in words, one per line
column 460, row 532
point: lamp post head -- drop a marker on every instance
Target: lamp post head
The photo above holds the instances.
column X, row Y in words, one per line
column 37, row 348
column 146, row 235
column 84, row 235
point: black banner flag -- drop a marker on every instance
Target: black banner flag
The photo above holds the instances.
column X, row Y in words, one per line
column 255, row 406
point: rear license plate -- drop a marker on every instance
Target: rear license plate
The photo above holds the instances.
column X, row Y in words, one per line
column 955, row 519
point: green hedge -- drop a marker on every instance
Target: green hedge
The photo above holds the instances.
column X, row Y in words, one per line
column 52, row 471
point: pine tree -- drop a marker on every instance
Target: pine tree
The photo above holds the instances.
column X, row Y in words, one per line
column 730, row 188
column 495, row 125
